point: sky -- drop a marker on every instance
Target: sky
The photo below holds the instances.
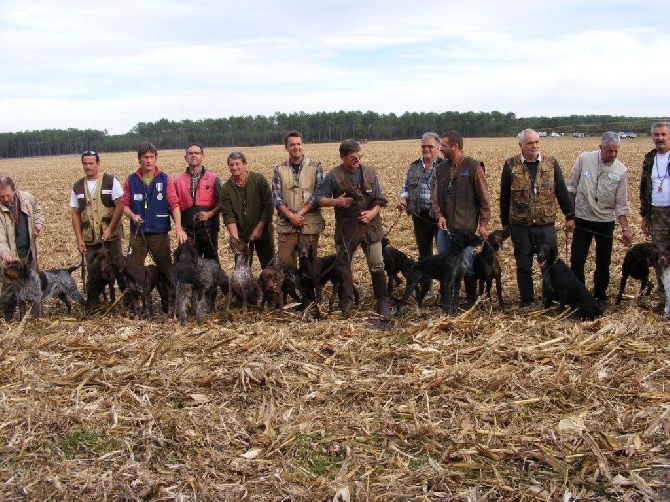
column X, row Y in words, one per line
column 108, row 65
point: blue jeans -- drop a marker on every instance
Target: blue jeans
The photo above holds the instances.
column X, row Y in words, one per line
column 443, row 246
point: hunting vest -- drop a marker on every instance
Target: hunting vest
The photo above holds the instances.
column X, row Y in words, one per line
column 295, row 193
column 205, row 197
column 532, row 203
column 415, row 173
column 150, row 202
column 363, row 194
column 596, row 189
column 457, row 196
column 96, row 209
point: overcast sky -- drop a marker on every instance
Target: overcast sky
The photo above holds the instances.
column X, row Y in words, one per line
column 112, row 64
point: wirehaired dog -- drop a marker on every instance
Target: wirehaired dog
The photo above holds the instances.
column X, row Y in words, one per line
column 36, row 287
column 189, row 290
column 316, row 272
column 639, row 258
column 140, row 281
column 396, row 262
column 101, row 276
column 270, row 282
column 664, row 263
column 447, row 268
column 242, row 283
column 560, row 283
column 213, row 278
column 487, row 265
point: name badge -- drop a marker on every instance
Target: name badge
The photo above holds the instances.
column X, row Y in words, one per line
column 138, row 196
column 464, row 173
column 613, row 176
column 80, row 196
column 106, row 192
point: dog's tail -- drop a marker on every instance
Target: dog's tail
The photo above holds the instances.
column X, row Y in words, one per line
column 75, row 267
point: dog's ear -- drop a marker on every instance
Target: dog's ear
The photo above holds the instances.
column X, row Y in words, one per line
column 310, row 252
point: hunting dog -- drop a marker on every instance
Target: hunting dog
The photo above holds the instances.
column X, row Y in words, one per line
column 396, row 262
column 447, row 268
column 140, row 281
column 101, row 276
column 213, row 278
column 316, row 272
column 487, row 265
column 270, row 282
column 33, row 287
column 664, row 263
column 188, row 289
column 639, row 258
column 560, row 283
column 242, row 283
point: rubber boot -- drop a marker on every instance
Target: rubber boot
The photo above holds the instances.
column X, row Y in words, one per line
column 381, row 294
column 470, row 284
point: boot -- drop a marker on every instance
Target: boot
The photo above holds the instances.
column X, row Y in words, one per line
column 470, row 284
column 381, row 294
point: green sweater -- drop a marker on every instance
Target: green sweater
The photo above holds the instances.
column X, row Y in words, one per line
column 246, row 206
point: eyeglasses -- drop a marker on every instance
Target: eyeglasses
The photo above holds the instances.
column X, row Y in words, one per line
column 428, row 147
column 89, row 152
column 355, row 158
column 194, row 153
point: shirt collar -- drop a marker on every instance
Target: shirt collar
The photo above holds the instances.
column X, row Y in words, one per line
column 539, row 158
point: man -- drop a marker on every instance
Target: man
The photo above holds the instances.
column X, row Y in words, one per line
column 598, row 187
column 354, row 191
column 149, row 198
column 246, row 208
column 22, row 222
column 97, row 208
column 198, row 191
column 530, row 185
column 415, row 195
column 460, row 201
column 655, row 193
column 294, row 183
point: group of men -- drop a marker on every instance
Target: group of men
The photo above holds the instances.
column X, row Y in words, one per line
column 450, row 194
column 442, row 194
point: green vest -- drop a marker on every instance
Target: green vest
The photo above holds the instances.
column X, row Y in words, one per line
column 96, row 210
column 346, row 217
column 532, row 203
column 296, row 193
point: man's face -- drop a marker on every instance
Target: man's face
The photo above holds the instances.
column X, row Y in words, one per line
column 530, row 146
column 236, row 167
column 429, row 149
column 352, row 160
column 148, row 161
column 446, row 149
column 6, row 195
column 194, row 157
column 91, row 166
column 294, row 148
column 609, row 153
column 661, row 139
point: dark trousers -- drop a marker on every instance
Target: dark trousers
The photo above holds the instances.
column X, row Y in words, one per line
column 585, row 232
column 206, row 241
column 158, row 245
column 526, row 240
column 265, row 249
column 425, row 233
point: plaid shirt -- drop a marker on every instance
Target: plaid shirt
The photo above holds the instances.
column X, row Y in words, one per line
column 425, row 185
column 276, row 184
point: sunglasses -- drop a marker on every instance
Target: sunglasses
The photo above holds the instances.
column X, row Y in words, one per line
column 89, row 152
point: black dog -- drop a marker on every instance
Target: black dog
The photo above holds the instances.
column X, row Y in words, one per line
column 560, row 283
column 448, row 268
column 396, row 262
column 487, row 266
column 636, row 264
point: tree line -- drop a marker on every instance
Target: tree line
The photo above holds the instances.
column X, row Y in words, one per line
column 317, row 127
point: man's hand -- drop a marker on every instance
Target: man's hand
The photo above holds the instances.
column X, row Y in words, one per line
column 181, row 235
column 38, row 231
column 81, row 246
column 344, row 201
column 6, row 258
column 627, row 238
column 366, row 216
column 402, row 205
column 569, row 226
column 442, row 223
column 483, row 232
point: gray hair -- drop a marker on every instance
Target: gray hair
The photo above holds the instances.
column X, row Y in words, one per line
column 431, row 135
column 6, row 181
column 610, row 138
column 523, row 133
column 660, row 123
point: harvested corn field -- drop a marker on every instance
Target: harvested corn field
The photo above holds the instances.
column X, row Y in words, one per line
column 488, row 405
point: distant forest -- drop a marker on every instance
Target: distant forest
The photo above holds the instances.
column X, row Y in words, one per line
column 315, row 127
